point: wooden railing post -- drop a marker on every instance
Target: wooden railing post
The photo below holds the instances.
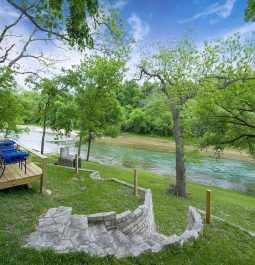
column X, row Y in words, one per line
column 44, row 174
column 76, row 163
column 135, row 183
column 29, row 159
column 208, row 207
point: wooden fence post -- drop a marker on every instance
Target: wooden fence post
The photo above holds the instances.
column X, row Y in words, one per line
column 76, row 164
column 208, row 207
column 135, row 183
column 44, row 174
column 29, row 159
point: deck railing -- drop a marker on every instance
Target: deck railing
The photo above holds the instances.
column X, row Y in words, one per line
column 44, row 160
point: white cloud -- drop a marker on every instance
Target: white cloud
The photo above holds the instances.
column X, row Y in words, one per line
column 220, row 10
column 8, row 13
column 120, row 4
column 140, row 29
column 245, row 30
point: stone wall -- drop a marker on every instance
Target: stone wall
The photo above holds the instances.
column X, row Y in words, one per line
column 130, row 233
column 140, row 221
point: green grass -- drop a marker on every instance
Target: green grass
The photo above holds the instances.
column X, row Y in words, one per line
column 170, row 211
column 220, row 244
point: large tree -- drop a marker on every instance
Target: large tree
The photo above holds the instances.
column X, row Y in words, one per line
column 184, row 71
column 52, row 94
column 98, row 111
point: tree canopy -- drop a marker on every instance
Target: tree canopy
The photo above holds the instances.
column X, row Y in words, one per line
column 98, row 111
column 225, row 120
column 250, row 11
column 10, row 106
column 66, row 20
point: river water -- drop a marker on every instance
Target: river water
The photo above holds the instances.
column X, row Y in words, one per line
column 227, row 173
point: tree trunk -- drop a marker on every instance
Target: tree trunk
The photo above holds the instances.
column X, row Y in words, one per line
column 180, row 187
column 43, row 135
column 89, row 144
column 80, row 143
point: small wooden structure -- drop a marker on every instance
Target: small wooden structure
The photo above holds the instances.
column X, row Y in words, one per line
column 15, row 176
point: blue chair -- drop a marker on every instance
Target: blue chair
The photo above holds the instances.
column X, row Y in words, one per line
column 7, row 149
column 7, row 143
column 9, row 155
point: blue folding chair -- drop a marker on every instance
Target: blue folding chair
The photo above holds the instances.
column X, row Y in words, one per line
column 7, row 143
column 10, row 155
column 7, row 149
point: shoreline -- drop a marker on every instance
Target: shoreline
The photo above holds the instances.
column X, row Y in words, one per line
column 164, row 145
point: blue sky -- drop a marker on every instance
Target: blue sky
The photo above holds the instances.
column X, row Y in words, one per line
column 169, row 18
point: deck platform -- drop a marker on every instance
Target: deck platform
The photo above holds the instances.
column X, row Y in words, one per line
column 15, row 176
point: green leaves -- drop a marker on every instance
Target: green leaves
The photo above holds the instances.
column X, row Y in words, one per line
column 10, row 107
column 80, row 23
column 250, row 11
column 7, row 81
column 225, row 120
column 99, row 112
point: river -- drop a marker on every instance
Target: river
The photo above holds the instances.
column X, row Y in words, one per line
column 227, row 173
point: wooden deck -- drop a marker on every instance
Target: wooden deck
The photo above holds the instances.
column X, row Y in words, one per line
column 15, row 176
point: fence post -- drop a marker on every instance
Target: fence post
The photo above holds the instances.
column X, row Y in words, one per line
column 76, row 164
column 29, row 160
column 44, row 174
column 135, row 183
column 208, row 207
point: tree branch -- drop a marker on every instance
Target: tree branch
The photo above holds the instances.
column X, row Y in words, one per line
column 28, row 72
column 12, row 62
column 247, row 136
column 9, row 26
column 6, row 54
column 33, row 20
column 158, row 76
column 228, row 82
column 236, row 123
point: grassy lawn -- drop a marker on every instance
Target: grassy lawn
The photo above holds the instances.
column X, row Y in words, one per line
column 220, row 244
column 170, row 211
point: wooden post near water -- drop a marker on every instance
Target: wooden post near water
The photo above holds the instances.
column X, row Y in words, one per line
column 208, row 215
column 76, row 163
column 135, row 183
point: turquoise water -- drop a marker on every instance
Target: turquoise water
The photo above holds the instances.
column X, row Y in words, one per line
column 227, row 173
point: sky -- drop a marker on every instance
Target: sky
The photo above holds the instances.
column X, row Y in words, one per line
column 170, row 18
column 147, row 21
